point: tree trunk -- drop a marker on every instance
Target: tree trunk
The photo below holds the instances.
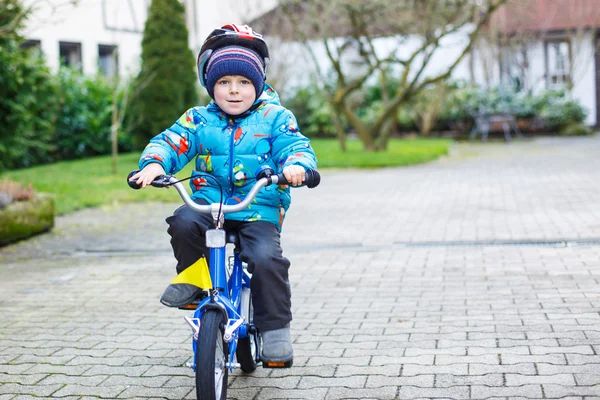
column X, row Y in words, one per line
column 339, row 129
column 364, row 134
column 384, row 136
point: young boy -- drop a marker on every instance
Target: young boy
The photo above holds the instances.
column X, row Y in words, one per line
column 242, row 130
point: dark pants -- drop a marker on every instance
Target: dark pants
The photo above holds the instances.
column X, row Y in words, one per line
column 260, row 248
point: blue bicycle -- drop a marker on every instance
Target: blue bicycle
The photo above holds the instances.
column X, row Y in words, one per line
column 223, row 334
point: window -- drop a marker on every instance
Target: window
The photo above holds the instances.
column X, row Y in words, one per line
column 514, row 67
column 70, row 55
column 558, row 63
column 31, row 44
column 108, row 60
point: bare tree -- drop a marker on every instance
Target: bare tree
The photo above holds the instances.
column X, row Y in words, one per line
column 119, row 110
column 392, row 42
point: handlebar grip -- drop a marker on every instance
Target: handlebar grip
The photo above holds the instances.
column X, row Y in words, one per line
column 159, row 182
column 132, row 184
column 312, row 178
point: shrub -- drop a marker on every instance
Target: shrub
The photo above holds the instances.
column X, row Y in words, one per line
column 84, row 118
column 313, row 112
column 557, row 110
column 167, row 78
column 463, row 102
column 575, row 129
column 554, row 108
column 27, row 101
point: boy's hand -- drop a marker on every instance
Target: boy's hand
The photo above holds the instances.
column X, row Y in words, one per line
column 294, row 174
column 148, row 174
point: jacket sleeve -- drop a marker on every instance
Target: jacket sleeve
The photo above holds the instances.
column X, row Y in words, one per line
column 176, row 146
column 290, row 147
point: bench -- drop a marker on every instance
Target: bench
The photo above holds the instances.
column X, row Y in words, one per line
column 484, row 120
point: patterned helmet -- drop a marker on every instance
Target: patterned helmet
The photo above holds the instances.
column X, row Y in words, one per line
column 231, row 35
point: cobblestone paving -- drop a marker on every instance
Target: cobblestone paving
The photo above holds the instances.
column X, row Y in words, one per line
column 473, row 277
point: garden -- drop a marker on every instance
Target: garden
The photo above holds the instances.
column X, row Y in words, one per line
column 66, row 154
column 68, row 140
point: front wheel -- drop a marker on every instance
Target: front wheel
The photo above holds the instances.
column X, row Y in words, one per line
column 211, row 357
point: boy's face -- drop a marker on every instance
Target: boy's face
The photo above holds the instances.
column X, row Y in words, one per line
column 234, row 94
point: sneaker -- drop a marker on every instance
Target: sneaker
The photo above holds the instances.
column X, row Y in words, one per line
column 277, row 351
column 180, row 294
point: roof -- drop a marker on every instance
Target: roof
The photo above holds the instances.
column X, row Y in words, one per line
column 316, row 20
column 546, row 15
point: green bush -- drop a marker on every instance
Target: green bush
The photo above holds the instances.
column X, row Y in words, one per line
column 313, row 112
column 553, row 108
column 372, row 104
column 84, row 119
column 557, row 110
column 459, row 104
column 167, row 78
column 27, row 101
column 575, row 129
column 465, row 101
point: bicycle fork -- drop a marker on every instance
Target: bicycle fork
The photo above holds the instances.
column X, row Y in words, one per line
column 238, row 286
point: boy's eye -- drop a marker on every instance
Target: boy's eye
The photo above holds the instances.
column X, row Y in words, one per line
column 245, row 82
column 223, row 82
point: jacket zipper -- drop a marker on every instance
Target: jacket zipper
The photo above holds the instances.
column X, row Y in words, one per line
column 231, row 157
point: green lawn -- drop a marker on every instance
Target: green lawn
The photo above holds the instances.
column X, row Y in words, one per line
column 399, row 153
column 90, row 182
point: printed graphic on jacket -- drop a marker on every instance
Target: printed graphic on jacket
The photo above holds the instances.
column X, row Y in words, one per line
column 232, row 150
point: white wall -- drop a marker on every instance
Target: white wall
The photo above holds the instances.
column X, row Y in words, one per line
column 87, row 25
column 300, row 68
column 206, row 15
column 584, row 71
column 115, row 22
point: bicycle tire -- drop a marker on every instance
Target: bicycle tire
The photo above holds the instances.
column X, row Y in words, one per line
column 211, row 356
column 248, row 348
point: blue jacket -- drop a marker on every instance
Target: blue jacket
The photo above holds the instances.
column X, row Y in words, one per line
column 233, row 150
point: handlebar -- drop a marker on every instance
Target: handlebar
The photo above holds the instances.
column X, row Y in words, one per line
column 265, row 178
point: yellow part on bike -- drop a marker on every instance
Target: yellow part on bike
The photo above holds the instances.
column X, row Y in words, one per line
column 196, row 274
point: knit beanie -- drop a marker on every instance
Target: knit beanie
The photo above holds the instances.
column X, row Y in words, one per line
column 235, row 60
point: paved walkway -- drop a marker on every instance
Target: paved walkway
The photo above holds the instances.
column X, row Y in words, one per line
column 473, row 277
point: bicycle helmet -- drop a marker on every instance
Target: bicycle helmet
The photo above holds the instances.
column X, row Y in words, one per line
column 232, row 35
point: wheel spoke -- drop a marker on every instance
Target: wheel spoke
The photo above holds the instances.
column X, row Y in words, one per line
column 218, row 382
column 219, row 366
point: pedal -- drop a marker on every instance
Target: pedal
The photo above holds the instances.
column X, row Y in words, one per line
column 278, row 364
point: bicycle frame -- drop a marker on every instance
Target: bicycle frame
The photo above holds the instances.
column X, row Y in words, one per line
column 230, row 294
column 226, row 295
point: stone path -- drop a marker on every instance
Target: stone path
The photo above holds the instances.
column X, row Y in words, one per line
column 473, row 277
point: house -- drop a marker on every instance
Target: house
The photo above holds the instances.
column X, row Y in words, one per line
column 85, row 34
column 528, row 44
column 551, row 44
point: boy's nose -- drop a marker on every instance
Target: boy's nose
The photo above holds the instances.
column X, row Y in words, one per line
column 233, row 89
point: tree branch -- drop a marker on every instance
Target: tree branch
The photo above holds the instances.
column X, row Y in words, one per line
column 413, row 88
